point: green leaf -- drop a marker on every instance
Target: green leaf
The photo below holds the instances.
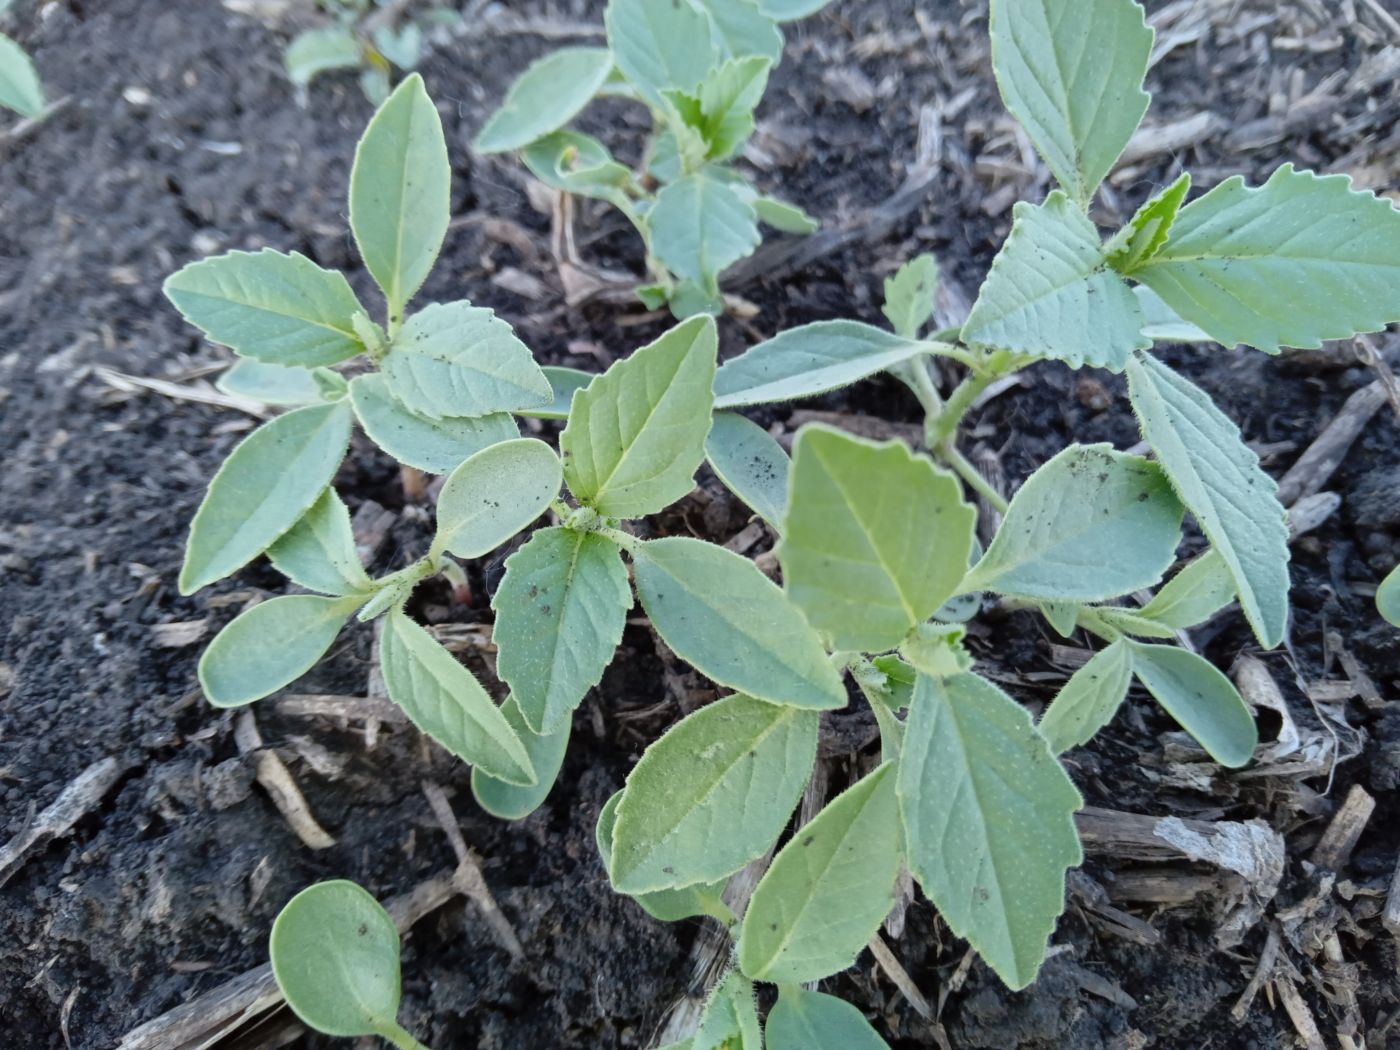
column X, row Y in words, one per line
column 1162, row 324
column 909, row 295
column 1088, row 701
column 434, row 445
column 493, row 495
column 335, row 954
column 1150, row 228
column 730, row 1019
column 562, row 382
column 791, row 10
column 560, row 611
column 1063, row 616
column 549, row 94
column 988, row 820
column 751, row 464
column 546, row 753
column 1202, row 700
column 1051, row 294
column 728, row 97
column 1220, row 481
column 660, row 44
column 742, row 29
column 319, row 553
column 1071, row 72
column 1193, row 595
column 271, row 645
column 270, row 384
column 809, row 360
column 711, row 794
column 20, row 89
column 270, row 479
column 1130, row 621
column 444, row 700
column 1090, row 524
column 455, row 359
column 704, row 898
column 875, row 539
column 579, row 164
column 283, row 309
column 1299, row 260
column 827, row 891
column 324, row 50
column 700, row 226
column 636, row 434
column 400, row 194
column 804, row 1020
column 1388, row 597
column 781, row 215
column 722, row 616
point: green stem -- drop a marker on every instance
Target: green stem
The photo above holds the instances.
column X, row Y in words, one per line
column 970, row 474
column 395, row 1033
column 625, row 540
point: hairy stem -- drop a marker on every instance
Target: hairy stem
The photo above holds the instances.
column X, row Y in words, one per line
column 973, row 478
column 395, row 1033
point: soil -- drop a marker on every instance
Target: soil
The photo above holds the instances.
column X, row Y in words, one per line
column 183, row 137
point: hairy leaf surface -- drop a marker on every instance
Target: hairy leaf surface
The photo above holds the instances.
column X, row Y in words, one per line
column 1151, row 226
column 909, row 295
column 1195, row 594
column 493, row 495
column 803, row 1020
column 435, row 445
column 661, row 44
column 730, row 1018
column 270, row 384
column 700, row 226
column 546, row 753
column 577, row 163
column 1202, row 700
column 751, row 464
column 319, row 553
column 703, row 898
column 1089, row 700
column 549, row 94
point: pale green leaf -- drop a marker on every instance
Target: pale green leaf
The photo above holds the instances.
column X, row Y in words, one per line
column 493, row 495
column 20, row 89
column 1088, row 701
column 728, row 97
column 660, row 44
column 803, row 1020
column 703, row 898
column 875, row 539
column 792, row 10
column 562, row 383
column 1130, row 621
column 271, row 645
column 1195, row 594
column 784, row 216
column 1090, row 524
column 1051, row 294
column 1063, row 616
column 809, row 360
column 988, row 820
column 742, row 29
column 1219, row 479
column 700, row 227
column 1161, row 323
column 722, row 616
column 636, row 434
column 546, row 753
column 1388, row 597
column 730, row 1018
column 549, row 94
column 270, row 384
column 1200, row 698
column 751, row 464
column 560, row 611
column 444, row 700
column 1299, row 260
column 279, row 308
column 1150, row 227
column 270, row 479
column 455, row 359
column 579, row 164
column 1071, row 72
column 434, row 445
column 909, row 295
column 335, row 955
column 828, row 890
column 400, row 197
column 402, row 46
column 323, row 50
column 712, row 794
column 319, row 553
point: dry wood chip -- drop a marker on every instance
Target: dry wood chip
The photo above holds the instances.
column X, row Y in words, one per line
column 179, row 634
column 273, row 775
column 79, row 798
column 1334, row 849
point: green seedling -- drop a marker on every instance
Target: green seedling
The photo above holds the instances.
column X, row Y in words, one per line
column 1388, row 597
column 876, row 540
column 335, row 955
column 700, row 68
column 361, row 35
column 20, row 89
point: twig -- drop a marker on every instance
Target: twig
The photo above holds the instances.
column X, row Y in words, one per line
column 1262, row 972
column 1322, row 458
column 201, row 392
column 272, row 774
column 1335, row 847
column 900, row 978
column 80, row 797
column 17, row 133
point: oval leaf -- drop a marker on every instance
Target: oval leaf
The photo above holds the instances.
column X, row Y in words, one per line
column 1388, row 597
column 270, row 384
column 560, row 611
column 20, row 89
column 400, row 194
column 1084, row 503
column 989, row 820
column 679, row 819
column 267, row 483
column 435, row 445
column 804, row 1020
column 322, row 50
column 493, row 495
column 319, row 552
column 704, row 898
column 1089, row 700
column 548, row 95
column 1202, row 700
column 444, row 700
column 721, row 615
column 546, row 753
column 1193, row 595
column 827, row 891
column 563, row 382
column 751, row 464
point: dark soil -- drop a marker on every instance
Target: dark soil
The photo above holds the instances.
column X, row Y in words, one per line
column 183, row 138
